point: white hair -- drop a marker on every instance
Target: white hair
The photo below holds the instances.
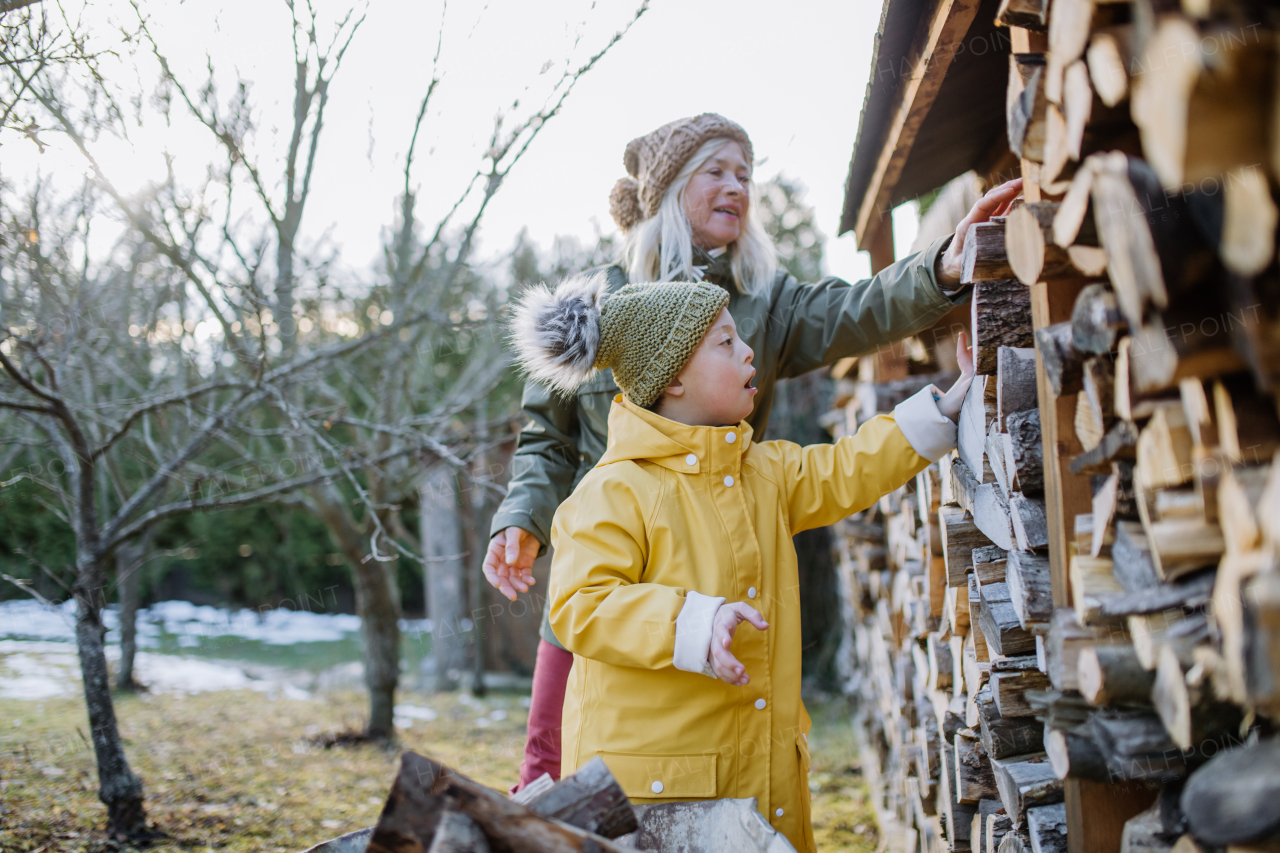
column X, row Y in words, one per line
column 660, row 248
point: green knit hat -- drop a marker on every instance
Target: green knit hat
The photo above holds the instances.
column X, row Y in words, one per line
column 646, row 332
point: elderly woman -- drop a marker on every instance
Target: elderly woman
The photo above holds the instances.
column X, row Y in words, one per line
column 687, row 214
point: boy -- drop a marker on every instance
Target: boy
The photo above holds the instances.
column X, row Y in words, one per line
column 682, row 531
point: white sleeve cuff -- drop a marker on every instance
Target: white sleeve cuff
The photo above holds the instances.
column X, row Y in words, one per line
column 930, row 433
column 693, row 632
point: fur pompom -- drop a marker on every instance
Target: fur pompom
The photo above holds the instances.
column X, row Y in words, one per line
column 557, row 333
column 624, row 203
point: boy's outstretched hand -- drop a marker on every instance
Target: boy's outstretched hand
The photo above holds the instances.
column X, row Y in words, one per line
column 950, row 403
column 726, row 667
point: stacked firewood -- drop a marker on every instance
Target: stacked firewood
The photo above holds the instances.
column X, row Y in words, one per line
column 1069, row 629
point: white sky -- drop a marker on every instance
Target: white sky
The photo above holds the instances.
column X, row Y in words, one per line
column 792, row 74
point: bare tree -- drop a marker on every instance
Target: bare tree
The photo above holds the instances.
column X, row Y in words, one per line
column 142, row 382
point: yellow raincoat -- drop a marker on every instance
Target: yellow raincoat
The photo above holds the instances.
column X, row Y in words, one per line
column 672, row 510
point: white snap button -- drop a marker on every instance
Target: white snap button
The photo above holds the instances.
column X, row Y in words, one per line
column 751, row 593
column 656, row 787
column 691, row 459
column 759, row 704
column 731, row 437
column 778, row 813
column 728, row 480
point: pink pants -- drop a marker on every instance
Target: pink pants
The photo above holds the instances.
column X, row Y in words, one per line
column 542, row 748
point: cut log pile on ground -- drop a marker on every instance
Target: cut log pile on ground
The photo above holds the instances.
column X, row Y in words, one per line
column 1067, row 632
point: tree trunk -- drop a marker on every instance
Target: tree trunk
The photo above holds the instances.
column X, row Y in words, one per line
column 377, row 605
column 441, row 534
column 129, row 580
column 120, row 790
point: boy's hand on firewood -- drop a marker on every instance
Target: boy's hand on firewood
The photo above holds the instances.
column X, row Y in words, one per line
column 727, row 667
column 950, row 402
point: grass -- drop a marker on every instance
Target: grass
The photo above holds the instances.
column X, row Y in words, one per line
column 238, row 771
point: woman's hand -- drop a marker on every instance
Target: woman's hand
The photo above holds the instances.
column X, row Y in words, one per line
column 996, row 202
column 727, row 667
column 509, row 563
column 950, row 403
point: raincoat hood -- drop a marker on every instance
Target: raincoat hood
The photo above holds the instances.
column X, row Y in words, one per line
column 638, row 434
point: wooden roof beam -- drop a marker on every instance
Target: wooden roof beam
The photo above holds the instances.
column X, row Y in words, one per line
column 938, row 40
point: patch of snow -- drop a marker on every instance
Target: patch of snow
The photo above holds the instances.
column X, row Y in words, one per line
column 416, row 712
column 42, row 670
column 28, row 619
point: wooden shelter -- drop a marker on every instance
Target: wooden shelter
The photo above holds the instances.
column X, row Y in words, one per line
column 1066, row 634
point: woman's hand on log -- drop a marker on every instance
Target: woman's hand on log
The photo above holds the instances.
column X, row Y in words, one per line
column 996, row 202
column 951, row 402
column 509, row 563
column 727, row 667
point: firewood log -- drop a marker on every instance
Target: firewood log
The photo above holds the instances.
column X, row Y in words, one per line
column 1006, row 736
column 976, row 637
column 964, row 485
column 1248, row 242
column 1109, row 58
column 999, row 622
column 1047, row 826
column 1015, row 841
column 1189, row 711
column 1131, row 559
column 1026, row 448
column 1026, row 115
column 1096, row 320
column 1027, row 576
column 989, row 563
column 1188, row 593
column 940, row 663
column 1031, row 14
column 960, row 536
column 1118, row 445
column 1030, row 526
column 424, row 790
column 1069, row 26
column 1067, row 636
column 1025, row 782
column 998, row 826
column 591, row 799
column 984, row 258
column 1057, row 143
column 1074, row 754
column 1135, row 745
column 1010, row 690
column 994, row 451
column 1232, row 798
column 458, row 833
column 958, row 815
column 991, row 515
column 1029, row 243
column 1144, row 833
column 974, row 779
column 1015, row 382
column 1173, row 346
column 1063, row 363
column 1180, row 631
column 1099, row 391
column 1073, row 224
column 1133, row 264
column 1248, row 426
column 1000, row 317
column 976, row 414
column 1204, row 113
column 1092, row 583
column 988, row 807
column 1109, row 673
column 1077, row 105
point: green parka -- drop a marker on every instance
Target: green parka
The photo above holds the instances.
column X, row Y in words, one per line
column 792, row 327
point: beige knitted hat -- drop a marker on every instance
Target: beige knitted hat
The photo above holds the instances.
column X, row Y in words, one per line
column 654, row 160
column 646, row 332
